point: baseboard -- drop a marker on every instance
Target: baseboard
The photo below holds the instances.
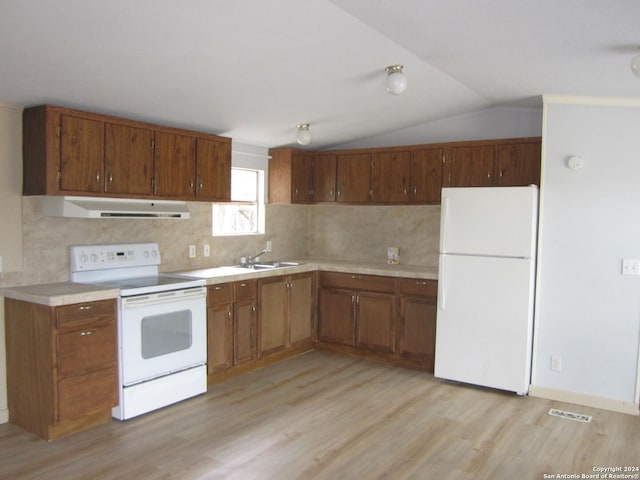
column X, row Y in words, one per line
column 4, row 416
column 585, row 400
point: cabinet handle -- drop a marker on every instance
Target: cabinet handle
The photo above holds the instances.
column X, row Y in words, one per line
column 420, row 283
column 489, row 174
column 356, row 277
column 97, row 176
column 502, row 173
column 415, row 190
column 229, row 314
column 339, row 192
column 110, row 177
column 405, row 191
column 85, row 307
column 191, row 183
column 201, row 185
column 217, row 288
column 331, row 192
column 243, row 284
column 87, row 332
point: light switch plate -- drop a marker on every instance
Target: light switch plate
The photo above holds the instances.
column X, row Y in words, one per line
column 630, row 266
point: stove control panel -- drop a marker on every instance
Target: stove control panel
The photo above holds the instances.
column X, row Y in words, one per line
column 123, row 255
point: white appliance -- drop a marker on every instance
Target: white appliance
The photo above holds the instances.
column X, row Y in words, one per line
column 486, row 286
column 162, row 325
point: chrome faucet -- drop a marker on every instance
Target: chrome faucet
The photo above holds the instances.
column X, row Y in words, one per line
column 252, row 259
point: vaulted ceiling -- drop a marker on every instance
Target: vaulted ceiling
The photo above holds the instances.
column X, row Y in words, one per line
column 253, row 69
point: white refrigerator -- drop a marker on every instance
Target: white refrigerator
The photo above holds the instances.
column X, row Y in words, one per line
column 486, row 286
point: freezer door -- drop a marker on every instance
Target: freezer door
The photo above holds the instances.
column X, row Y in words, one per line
column 489, row 221
column 484, row 322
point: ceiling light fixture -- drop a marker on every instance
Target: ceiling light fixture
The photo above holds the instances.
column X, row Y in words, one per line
column 396, row 81
column 635, row 64
column 304, row 135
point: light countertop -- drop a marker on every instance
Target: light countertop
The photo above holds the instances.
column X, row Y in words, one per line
column 66, row 293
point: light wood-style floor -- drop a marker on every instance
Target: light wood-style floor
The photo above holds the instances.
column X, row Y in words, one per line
column 327, row 416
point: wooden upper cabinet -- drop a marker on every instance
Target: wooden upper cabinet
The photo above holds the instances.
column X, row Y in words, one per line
column 290, row 176
column 70, row 152
column 213, row 170
column 81, row 167
column 518, row 164
column 470, row 166
column 426, row 175
column 353, row 178
column 390, row 173
column 175, row 165
column 324, row 177
column 128, row 160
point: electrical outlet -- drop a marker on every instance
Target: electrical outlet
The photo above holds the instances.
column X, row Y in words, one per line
column 630, row 266
column 556, row 363
column 192, row 251
column 268, row 247
column 206, row 250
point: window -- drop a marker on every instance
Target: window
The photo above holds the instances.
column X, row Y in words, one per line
column 245, row 215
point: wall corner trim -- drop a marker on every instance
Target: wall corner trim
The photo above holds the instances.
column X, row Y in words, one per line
column 592, row 101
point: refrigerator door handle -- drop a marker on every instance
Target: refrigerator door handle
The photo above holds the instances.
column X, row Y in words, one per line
column 444, row 207
column 441, row 288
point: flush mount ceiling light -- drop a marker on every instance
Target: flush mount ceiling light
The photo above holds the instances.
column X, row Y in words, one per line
column 635, row 64
column 396, row 81
column 304, row 135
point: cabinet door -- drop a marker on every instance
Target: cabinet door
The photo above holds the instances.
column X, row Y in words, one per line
column 244, row 331
column 273, row 299
column 219, row 337
column 518, row 164
column 375, row 321
column 86, row 394
column 337, row 316
column 324, row 177
column 354, row 178
column 390, row 177
column 175, row 165
column 426, row 175
column 81, row 166
column 128, row 160
column 418, row 328
column 301, row 307
column 301, row 177
column 213, row 169
column 471, row 166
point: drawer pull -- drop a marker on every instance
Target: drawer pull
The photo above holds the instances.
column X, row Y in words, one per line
column 356, row 277
column 87, row 332
column 85, row 307
column 243, row 284
column 217, row 288
column 420, row 283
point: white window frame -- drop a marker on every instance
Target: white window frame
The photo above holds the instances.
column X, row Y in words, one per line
column 250, row 157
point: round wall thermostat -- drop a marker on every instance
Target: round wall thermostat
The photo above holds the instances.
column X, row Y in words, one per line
column 575, row 162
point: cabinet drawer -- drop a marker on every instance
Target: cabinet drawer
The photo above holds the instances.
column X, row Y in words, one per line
column 372, row 283
column 86, row 394
column 73, row 316
column 218, row 294
column 245, row 290
column 86, row 349
column 417, row 286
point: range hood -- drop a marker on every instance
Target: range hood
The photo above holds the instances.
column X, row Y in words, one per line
column 98, row 207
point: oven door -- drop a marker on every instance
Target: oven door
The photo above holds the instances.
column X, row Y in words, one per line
column 162, row 333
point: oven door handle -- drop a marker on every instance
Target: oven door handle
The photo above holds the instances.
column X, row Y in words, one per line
column 163, row 297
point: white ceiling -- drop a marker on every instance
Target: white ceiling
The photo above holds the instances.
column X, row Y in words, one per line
column 253, row 69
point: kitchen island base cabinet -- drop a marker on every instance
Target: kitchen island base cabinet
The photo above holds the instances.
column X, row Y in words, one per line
column 61, row 365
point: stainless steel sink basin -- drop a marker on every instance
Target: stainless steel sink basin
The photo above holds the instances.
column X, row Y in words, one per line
column 268, row 265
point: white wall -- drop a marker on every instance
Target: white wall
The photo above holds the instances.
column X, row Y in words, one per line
column 587, row 312
column 10, row 218
column 499, row 122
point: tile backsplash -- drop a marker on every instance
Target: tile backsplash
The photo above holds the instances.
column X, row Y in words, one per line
column 341, row 232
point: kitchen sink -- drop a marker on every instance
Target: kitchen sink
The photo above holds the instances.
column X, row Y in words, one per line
column 268, row 265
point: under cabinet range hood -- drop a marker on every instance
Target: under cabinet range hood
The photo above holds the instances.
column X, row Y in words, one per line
column 98, row 207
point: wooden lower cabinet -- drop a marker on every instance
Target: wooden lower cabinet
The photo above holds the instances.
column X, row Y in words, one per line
column 379, row 317
column 244, row 321
column 417, row 325
column 287, row 305
column 62, row 373
column 219, row 327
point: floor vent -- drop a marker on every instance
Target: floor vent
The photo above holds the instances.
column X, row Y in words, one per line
column 571, row 416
